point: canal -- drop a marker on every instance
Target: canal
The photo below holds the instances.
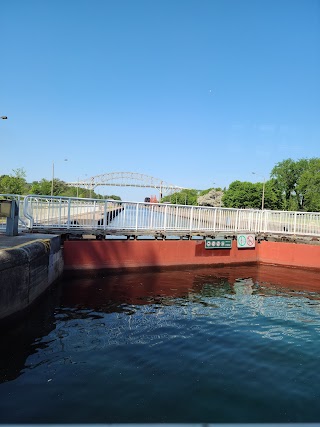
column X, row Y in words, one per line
column 238, row 344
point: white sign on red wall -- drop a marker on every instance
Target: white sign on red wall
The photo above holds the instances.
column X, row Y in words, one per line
column 246, row 241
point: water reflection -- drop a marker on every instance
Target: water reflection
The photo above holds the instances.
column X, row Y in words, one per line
column 26, row 337
column 234, row 325
column 243, row 286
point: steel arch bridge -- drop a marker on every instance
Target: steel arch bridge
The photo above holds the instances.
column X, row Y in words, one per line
column 127, row 179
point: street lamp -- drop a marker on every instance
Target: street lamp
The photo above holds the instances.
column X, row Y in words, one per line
column 263, row 189
column 53, row 176
column 3, row 117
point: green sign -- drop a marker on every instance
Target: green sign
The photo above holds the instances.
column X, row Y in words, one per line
column 218, row 244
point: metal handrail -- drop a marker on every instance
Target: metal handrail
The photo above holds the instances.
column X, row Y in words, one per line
column 115, row 217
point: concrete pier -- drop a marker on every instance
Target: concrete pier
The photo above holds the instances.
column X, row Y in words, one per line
column 29, row 264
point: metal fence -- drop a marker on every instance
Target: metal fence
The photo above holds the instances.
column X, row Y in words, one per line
column 115, row 217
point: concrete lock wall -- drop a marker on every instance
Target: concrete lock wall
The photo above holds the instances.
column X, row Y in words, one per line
column 26, row 271
column 117, row 254
column 302, row 255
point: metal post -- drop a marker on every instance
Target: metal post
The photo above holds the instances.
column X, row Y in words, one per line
column 263, row 188
column 191, row 219
column 12, row 220
column 165, row 218
column 52, row 179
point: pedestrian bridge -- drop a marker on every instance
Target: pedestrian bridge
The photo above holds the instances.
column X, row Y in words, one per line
column 78, row 216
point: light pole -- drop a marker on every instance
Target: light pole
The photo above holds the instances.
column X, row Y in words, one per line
column 263, row 189
column 53, row 176
column 3, row 117
column 52, row 179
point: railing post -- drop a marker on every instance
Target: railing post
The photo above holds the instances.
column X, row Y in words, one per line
column 237, row 220
column 261, row 221
column 69, row 211
column 215, row 219
column 137, row 213
column 250, row 221
column 165, row 218
column 124, row 214
column 295, row 223
column 59, row 213
column 48, row 211
column 105, row 214
column 191, row 219
column 257, row 220
column 199, row 213
column 176, row 217
column 266, row 216
column 151, row 217
column 220, row 215
column 26, row 212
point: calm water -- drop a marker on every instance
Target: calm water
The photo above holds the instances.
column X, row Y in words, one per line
column 211, row 345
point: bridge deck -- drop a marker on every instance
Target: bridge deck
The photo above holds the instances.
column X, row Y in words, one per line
column 78, row 216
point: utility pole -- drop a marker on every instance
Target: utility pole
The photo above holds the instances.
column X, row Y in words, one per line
column 263, row 189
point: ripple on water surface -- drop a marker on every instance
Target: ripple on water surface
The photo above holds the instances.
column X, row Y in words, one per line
column 222, row 345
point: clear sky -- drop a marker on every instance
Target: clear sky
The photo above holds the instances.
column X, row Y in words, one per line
column 198, row 93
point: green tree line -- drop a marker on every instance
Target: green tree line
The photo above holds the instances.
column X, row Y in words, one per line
column 293, row 185
column 16, row 183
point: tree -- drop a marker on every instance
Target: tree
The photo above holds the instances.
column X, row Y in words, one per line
column 14, row 183
column 183, row 197
column 308, row 186
column 41, row 187
column 287, row 175
column 272, row 194
column 242, row 195
column 210, row 197
column 112, row 197
column 248, row 195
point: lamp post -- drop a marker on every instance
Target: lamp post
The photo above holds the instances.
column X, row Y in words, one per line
column 263, row 189
column 52, row 180
column 3, row 117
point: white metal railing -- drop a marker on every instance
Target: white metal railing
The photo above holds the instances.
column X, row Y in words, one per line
column 23, row 222
column 110, row 216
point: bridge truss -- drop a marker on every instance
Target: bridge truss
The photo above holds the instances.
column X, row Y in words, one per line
column 127, row 179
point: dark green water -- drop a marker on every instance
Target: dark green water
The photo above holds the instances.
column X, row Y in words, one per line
column 222, row 345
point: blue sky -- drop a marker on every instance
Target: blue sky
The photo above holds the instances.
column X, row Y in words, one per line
column 194, row 92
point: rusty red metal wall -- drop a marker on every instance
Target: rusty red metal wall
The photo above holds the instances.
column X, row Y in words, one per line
column 146, row 253
column 112, row 254
column 289, row 254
